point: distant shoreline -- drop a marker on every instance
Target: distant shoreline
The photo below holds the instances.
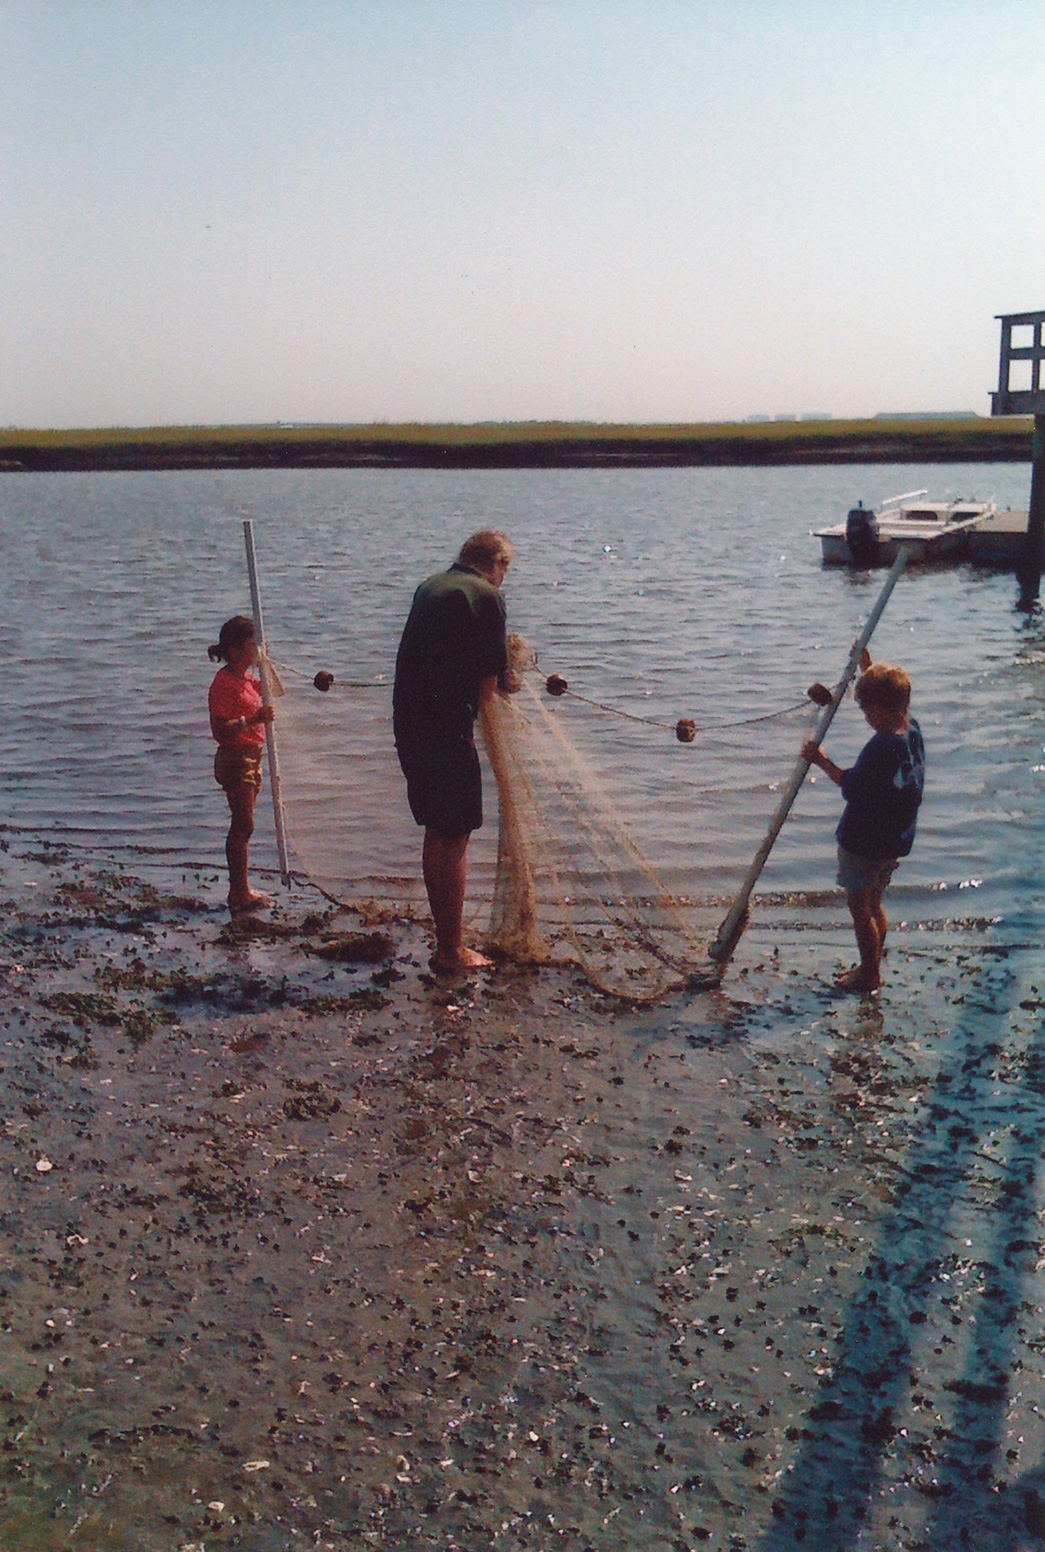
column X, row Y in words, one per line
column 526, row 445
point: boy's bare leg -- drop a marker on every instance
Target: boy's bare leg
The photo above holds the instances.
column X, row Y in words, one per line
column 869, row 924
column 444, row 868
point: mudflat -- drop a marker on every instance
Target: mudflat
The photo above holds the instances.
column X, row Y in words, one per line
column 301, row 1246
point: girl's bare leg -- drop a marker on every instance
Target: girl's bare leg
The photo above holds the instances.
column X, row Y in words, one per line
column 241, row 806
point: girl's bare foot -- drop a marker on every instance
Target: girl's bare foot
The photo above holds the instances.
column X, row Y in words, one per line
column 254, row 900
column 855, row 980
column 454, row 964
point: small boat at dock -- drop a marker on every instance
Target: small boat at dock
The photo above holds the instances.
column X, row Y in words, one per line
column 934, row 530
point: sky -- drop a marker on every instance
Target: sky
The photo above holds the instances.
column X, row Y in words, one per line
column 248, row 211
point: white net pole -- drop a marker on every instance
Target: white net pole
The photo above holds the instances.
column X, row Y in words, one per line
column 266, row 695
column 729, row 933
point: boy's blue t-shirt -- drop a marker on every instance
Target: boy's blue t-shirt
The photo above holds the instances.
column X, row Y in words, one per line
column 882, row 792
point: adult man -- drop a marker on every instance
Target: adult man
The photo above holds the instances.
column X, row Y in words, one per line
column 451, row 656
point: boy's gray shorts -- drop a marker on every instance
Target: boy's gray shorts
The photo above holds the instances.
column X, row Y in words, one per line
column 858, row 873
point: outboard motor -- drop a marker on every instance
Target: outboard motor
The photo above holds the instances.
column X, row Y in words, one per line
column 861, row 535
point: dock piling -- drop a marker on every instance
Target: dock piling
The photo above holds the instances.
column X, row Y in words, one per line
column 1030, row 566
column 1026, row 400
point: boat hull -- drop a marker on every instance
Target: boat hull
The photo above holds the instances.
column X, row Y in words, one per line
column 935, row 547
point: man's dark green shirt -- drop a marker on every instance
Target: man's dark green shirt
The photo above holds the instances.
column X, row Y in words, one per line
column 454, row 638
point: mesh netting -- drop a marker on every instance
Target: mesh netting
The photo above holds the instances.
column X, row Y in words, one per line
column 342, row 792
column 558, row 856
column 570, row 883
column 567, row 883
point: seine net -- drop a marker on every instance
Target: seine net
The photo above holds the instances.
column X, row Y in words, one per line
column 560, row 858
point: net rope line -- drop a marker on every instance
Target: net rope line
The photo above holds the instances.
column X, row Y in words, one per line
column 289, row 671
column 698, row 727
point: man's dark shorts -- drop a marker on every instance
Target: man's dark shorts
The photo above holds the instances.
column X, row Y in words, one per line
column 444, row 785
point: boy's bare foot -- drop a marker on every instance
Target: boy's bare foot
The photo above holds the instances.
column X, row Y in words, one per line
column 254, row 901
column 855, row 980
column 455, row 964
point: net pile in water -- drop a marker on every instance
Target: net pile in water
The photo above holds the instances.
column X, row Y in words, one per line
column 570, row 882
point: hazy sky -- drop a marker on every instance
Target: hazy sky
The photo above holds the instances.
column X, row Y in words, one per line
column 613, row 210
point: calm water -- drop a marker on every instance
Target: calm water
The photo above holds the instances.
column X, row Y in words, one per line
column 661, row 594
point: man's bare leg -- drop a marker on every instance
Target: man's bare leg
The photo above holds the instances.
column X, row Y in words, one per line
column 444, row 869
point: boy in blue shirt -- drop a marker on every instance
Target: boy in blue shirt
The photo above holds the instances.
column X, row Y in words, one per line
column 882, row 792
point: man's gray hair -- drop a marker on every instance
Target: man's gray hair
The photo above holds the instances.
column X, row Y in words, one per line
column 485, row 548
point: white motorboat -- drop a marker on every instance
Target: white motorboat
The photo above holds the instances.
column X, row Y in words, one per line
column 935, row 530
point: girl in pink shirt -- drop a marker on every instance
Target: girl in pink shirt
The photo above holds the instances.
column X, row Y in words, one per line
column 237, row 721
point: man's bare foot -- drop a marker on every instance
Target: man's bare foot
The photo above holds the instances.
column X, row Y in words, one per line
column 456, row 963
column 253, row 901
column 855, row 980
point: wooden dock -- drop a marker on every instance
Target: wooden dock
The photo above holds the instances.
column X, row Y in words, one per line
column 999, row 539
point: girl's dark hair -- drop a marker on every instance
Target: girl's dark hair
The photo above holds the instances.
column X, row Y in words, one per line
column 232, row 634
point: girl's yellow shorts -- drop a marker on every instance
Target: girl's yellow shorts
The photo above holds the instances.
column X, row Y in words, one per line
column 238, row 766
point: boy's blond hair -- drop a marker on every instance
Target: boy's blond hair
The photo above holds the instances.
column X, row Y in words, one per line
column 885, row 685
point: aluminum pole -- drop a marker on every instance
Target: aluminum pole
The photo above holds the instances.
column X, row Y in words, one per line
column 729, row 933
column 266, row 696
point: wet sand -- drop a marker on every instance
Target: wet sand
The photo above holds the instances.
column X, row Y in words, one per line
column 302, row 1251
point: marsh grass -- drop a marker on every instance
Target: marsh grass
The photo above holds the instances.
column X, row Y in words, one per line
column 522, row 442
